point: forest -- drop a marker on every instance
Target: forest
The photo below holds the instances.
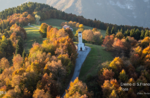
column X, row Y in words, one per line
column 45, row 71
column 46, row 12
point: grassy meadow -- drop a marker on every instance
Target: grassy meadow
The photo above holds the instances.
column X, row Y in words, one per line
column 33, row 35
column 93, row 61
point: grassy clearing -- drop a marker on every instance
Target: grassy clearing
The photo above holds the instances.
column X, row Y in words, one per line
column 93, row 61
column 33, row 35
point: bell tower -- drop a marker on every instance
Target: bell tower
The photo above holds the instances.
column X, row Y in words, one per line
column 81, row 46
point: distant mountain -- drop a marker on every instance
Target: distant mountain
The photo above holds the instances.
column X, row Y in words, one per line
column 125, row 12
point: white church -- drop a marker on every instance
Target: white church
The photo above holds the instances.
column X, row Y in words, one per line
column 80, row 45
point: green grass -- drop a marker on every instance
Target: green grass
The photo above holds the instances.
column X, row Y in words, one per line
column 33, row 35
column 93, row 61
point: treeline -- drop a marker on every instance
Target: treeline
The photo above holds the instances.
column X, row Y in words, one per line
column 71, row 23
column 136, row 33
column 44, row 72
column 46, row 12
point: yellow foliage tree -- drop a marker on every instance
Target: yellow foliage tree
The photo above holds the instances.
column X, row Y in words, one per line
column 116, row 64
column 123, row 77
column 113, row 94
column 76, row 86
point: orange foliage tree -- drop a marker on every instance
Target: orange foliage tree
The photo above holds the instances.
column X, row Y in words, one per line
column 108, row 41
column 88, row 35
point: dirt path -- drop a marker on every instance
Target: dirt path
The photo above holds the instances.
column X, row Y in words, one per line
column 79, row 61
column 33, row 26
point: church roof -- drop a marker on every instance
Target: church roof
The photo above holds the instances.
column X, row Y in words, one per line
column 66, row 26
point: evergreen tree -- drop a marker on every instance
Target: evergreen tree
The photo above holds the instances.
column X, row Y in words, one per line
column 23, row 54
column 20, row 44
column 17, row 48
column 118, row 30
column 146, row 33
column 108, row 31
column 112, row 30
column 142, row 34
column 3, row 27
column 132, row 32
column 137, row 34
column 121, row 30
column 127, row 33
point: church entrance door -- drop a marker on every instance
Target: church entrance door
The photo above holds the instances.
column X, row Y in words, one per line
column 80, row 49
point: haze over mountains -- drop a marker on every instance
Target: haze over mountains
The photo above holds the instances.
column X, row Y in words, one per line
column 125, row 12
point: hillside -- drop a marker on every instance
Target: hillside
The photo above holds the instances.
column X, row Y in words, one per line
column 127, row 12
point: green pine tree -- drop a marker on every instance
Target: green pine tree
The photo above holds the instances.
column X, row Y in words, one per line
column 146, row 33
column 121, row 30
column 23, row 54
column 112, row 30
column 127, row 33
column 107, row 31
column 17, row 48
column 3, row 26
column 142, row 34
column 132, row 32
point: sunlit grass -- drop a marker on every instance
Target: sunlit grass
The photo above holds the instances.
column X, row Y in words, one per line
column 33, row 35
column 93, row 61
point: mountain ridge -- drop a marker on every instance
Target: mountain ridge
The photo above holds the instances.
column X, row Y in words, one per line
column 127, row 12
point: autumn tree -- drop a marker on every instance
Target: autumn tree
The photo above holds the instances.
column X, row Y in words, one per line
column 113, row 94
column 145, row 42
column 48, row 31
column 135, row 59
column 116, row 64
column 52, row 33
column 43, row 29
column 118, row 46
column 108, row 41
column 119, row 35
column 4, row 63
column 77, row 86
column 17, row 61
column 108, row 86
column 31, row 18
column 88, row 35
column 41, row 94
column 98, row 38
column 108, row 74
column 69, row 32
column 123, row 77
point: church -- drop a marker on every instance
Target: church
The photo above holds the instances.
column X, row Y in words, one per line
column 80, row 45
